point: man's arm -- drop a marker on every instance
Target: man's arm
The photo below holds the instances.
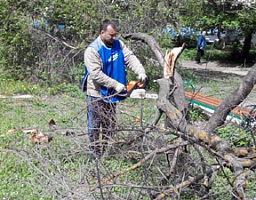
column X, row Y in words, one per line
column 199, row 42
column 131, row 61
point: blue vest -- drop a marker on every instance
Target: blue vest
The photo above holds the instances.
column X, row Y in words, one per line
column 113, row 66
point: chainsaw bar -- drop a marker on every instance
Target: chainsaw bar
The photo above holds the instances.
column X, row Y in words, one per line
column 142, row 94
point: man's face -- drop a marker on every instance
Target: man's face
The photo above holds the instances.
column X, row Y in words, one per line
column 108, row 36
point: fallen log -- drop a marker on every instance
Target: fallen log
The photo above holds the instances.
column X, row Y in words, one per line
column 174, row 110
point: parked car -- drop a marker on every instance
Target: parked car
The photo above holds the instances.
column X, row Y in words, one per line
column 230, row 36
column 170, row 31
column 211, row 38
column 212, row 31
column 183, row 33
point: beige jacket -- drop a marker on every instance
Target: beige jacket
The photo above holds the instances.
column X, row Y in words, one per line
column 97, row 78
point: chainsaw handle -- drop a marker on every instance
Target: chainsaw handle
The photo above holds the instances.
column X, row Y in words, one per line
column 135, row 85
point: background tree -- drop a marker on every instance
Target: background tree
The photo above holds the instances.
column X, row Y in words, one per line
column 42, row 37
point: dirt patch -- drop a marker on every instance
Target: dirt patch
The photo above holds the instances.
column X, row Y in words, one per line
column 25, row 96
column 207, row 74
column 231, row 68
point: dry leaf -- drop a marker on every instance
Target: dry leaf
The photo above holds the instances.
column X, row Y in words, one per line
column 11, row 131
column 40, row 138
column 29, row 130
column 137, row 119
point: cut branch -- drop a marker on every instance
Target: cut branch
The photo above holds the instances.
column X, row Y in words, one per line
column 186, row 183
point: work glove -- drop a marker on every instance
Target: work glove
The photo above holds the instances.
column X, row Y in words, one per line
column 120, row 87
column 142, row 77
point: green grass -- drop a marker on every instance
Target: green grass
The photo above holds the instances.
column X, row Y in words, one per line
column 10, row 87
column 235, row 136
column 31, row 171
column 216, row 89
column 18, row 177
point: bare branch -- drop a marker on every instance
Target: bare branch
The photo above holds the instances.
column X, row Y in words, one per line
column 150, row 41
column 186, row 183
column 140, row 163
column 231, row 101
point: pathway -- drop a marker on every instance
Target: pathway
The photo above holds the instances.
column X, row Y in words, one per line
column 212, row 66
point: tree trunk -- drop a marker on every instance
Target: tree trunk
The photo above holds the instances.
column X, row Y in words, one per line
column 174, row 108
column 247, row 46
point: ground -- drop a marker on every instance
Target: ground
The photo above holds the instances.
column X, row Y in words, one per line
column 70, row 116
column 225, row 68
column 218, row 80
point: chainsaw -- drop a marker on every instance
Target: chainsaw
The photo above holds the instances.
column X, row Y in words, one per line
column 137, row 90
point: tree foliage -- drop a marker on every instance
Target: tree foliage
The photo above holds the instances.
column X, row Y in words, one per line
column 35, row 44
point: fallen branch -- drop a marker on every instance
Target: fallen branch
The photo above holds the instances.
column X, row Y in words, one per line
column 139, row 164
column 185, row 184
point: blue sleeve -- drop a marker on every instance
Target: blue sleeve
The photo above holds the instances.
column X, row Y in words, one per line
column 84, row 80
column 200, row 42
column 203, row 43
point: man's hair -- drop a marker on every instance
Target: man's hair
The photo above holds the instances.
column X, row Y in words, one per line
column 105, row 23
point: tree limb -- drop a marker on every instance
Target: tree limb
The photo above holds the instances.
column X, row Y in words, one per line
column 150, row 41
column 231, row 101
column 138, row 164
column 206, row 136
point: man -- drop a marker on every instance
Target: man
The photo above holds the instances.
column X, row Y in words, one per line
column 105, row 60
column 200, row 47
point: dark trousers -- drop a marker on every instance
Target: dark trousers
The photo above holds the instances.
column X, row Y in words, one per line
column 199, row 55
column 101, row 120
